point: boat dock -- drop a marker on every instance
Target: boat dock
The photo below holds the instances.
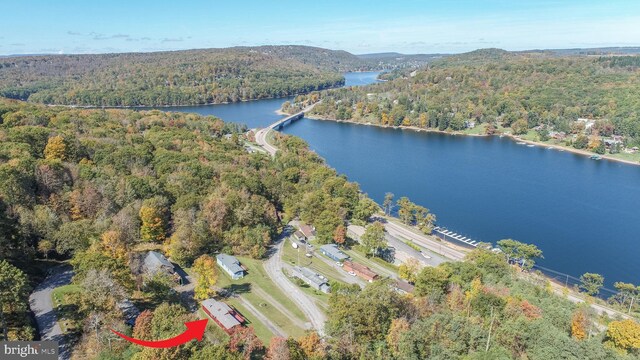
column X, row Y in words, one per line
column 445, row 234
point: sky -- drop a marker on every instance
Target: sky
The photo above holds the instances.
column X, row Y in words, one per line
column 99, row 26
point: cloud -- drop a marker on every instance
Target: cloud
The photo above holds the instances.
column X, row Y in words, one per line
column 166, row 40
column 99, row 36
column 74, row 33
column 17, row 44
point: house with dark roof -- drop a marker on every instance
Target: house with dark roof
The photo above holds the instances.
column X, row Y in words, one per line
column 222, row 314
column 155, row 262
column 230, row 265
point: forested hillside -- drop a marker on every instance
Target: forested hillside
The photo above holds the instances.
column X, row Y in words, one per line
column 173, row 78
column 97, row 186
column 516, row 91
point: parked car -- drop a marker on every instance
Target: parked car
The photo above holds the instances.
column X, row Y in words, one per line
column 339, row 263
column 308, row 255
column 352, row 273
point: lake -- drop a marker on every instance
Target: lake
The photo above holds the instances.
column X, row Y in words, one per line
column 581, row 213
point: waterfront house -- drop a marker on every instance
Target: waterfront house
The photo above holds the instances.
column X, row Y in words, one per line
column 331, row 251
column 222, row 314
column 155, row 262
column 230, row 265
column 311, row 278
column 360, row 270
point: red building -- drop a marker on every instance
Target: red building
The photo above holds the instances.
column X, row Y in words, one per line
column 360, row 270
column 223, row 315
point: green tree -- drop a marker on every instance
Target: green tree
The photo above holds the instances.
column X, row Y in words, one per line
column 14, row 290
column 521, row 252
column 405, row 210
column 387, row 203
column 591, row 283
column 432, row 281
column 373, row 238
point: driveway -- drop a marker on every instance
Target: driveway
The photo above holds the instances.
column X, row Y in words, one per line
column 42, row 307
column 307, row 304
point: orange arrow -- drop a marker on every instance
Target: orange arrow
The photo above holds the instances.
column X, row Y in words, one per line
column 195, row 330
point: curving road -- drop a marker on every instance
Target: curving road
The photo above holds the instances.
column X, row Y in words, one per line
column 274, row 266
column 42, row 306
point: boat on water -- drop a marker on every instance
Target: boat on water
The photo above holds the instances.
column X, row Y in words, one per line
column 521, row 143
column 549, row 147
column 530, row 145
column 596, row 157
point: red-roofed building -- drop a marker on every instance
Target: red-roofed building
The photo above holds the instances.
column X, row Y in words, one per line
column 360, row 270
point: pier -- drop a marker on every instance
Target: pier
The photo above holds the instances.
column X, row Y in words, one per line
column 445, row 234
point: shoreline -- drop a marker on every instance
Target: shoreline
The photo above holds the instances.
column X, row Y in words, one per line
column 512, row 137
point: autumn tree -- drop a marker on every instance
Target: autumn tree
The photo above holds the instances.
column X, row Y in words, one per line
column 340, row 235
column 624, row 334
column 312, row 345
column 579, row 325
column 153, row 215
column 397, row 328
column 243, row 340
column 142, row 327
column 56, row 148
column 409, row 270
column 206, row 276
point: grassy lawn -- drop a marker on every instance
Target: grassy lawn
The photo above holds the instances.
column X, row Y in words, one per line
column 213, row 333
column 261, row 331
column 624, row 156
column 66, row 307
column 478, row 130
column 371, row 262
column 290, row 256
column 258, row 278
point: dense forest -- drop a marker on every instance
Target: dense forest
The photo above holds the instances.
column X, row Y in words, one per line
column 519, row 92
column 98, row 187
column 173, row 78
column 95, row 186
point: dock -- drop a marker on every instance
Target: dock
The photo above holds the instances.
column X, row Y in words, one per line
column 445, row 234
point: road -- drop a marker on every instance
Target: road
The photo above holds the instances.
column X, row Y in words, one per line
column 42, row 306
column 401, row 231
column 274, row 266
column 433, row 260
column 262, row 134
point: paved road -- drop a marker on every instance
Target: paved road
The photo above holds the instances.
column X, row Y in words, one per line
column 274, row 266
column 261, row 135
column 42, row 307
column 425, row 241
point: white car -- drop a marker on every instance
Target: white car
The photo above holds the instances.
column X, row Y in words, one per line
column 339, row 263
column 352, row 273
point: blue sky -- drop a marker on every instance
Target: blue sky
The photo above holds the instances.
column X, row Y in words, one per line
column 98, row 26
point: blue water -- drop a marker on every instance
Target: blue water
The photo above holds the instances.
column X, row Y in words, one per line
column 581, row 213
column 261, row 113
